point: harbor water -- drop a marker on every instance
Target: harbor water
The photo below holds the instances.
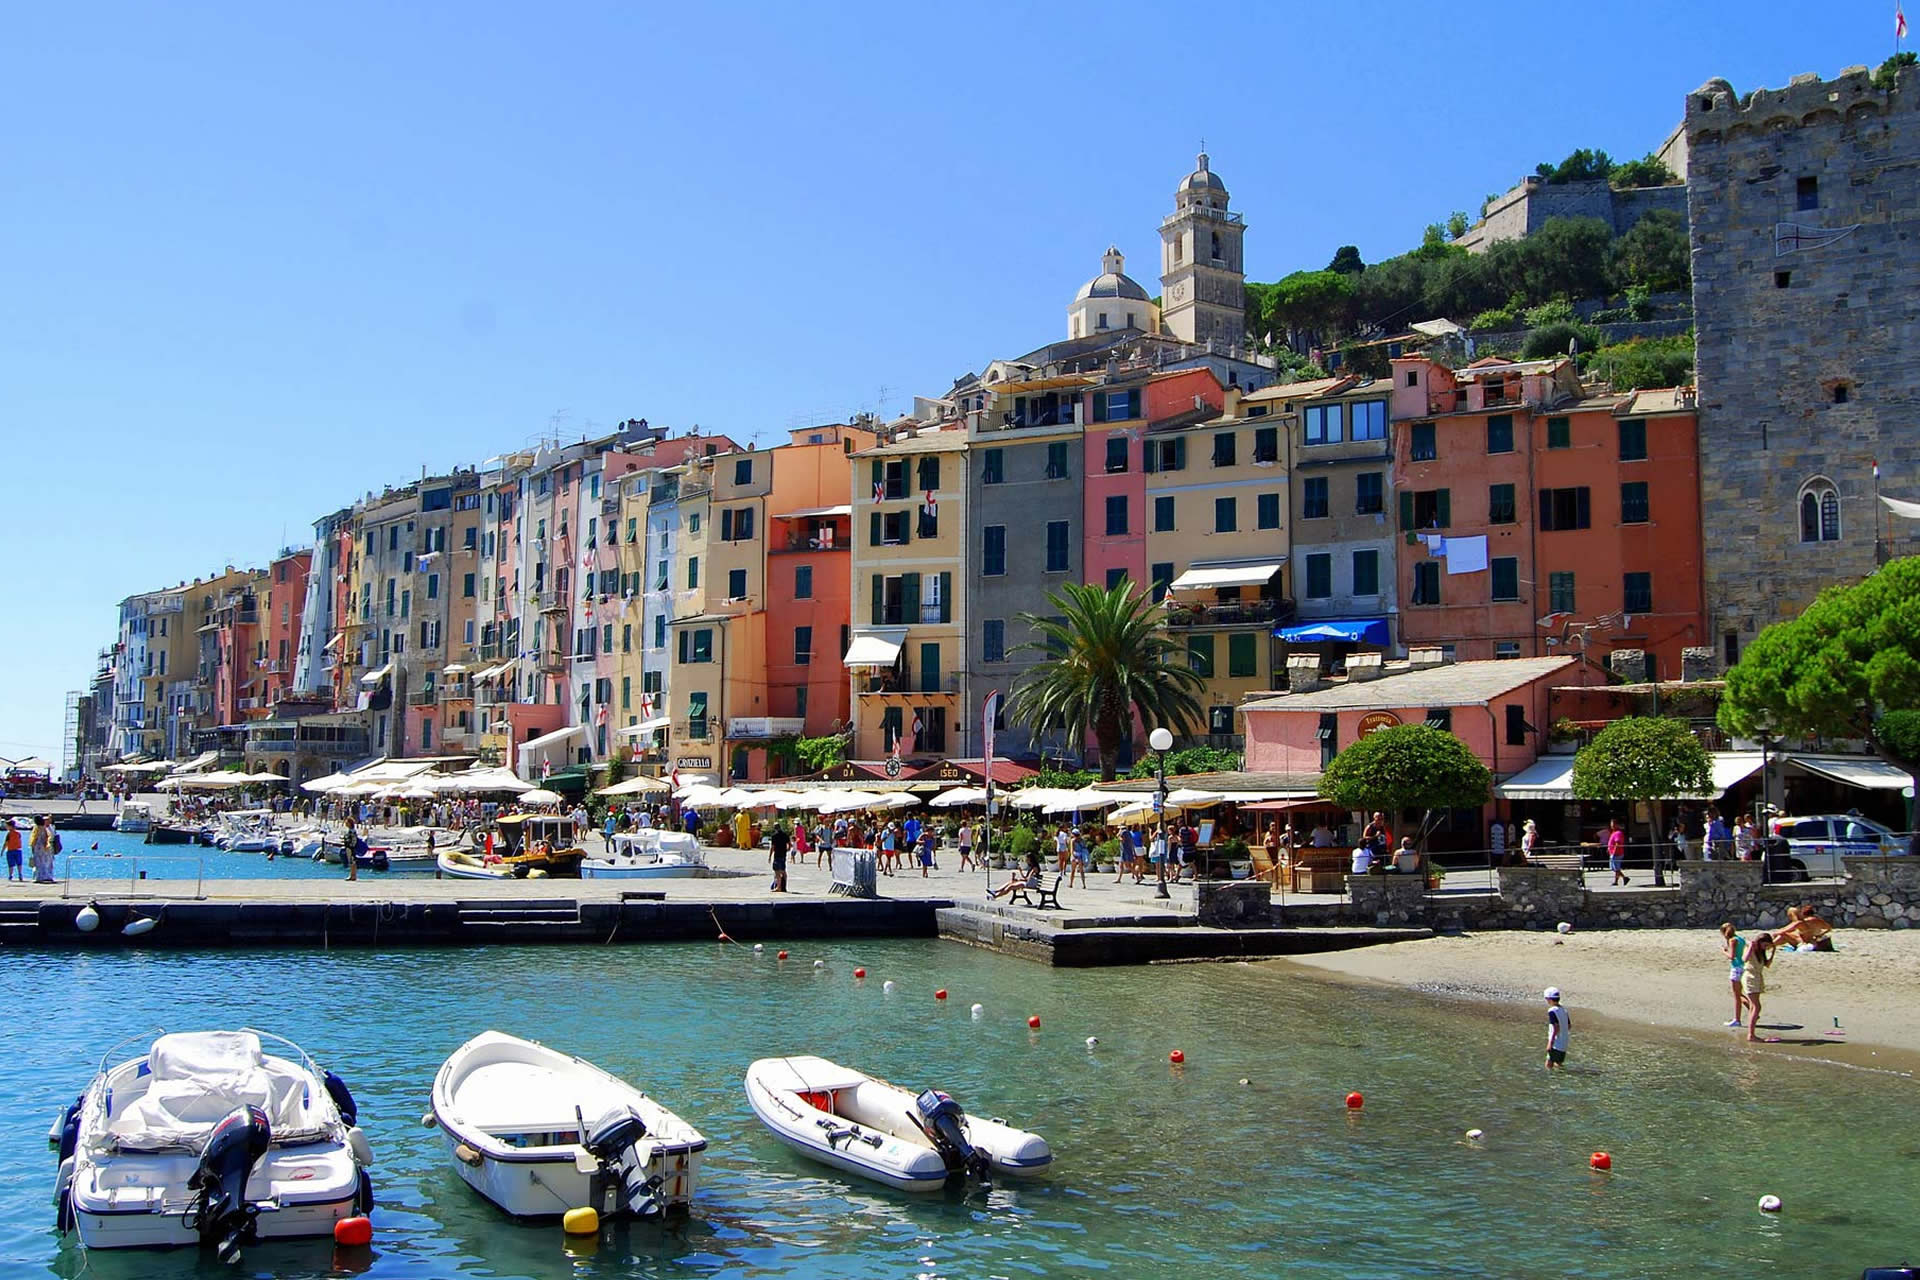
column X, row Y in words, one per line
column 1245, row 1161
column 116, row 855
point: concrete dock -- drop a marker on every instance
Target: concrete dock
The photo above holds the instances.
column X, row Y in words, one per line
column 1103, row 923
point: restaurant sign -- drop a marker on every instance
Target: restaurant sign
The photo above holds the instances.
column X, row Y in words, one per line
column 1374, row 721
column 694, row 762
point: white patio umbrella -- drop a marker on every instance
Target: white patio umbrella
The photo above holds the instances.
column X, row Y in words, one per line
column 772, row 799
column 540, row 795
column 1189, row 798
column 325, row 783
column 635, row 786
column 897, row 800
column 1036, row 797
column 1136, row 811
column 1087, row 801
column 958, row 797
column 849, row 801
column 690, row 780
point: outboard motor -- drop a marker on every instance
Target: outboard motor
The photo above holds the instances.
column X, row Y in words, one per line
column 221, row 1214
column 615, row 1140
column 942, row 1120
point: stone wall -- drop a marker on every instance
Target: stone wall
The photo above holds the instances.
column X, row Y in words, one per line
column 1533, row 203
column 1784, row 317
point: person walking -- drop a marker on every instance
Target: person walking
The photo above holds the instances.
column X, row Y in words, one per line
column 354, row 845
column 1558, row 1026
column 929, row 840
column 966, row 845
column 1616, row 853
column 1734, row 947
column 44, row 843
column 15, row 866
column 888, row 853
column 611, row 825
column 777, row 855
column 1062, row 848
column 1719, row 838
column 1529, row 841
column 1753, row 980
column 1082, row 858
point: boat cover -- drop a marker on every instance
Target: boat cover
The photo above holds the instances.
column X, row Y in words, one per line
column 196, row 1079
column 806, row 1075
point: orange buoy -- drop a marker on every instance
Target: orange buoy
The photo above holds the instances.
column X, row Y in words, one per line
column 353, row 1232
column 941, row 994
column 1355, row 1101
column 1034, row 1022
column 859, row 973
column 1177, row 1057
column 1600, row 1160
column 783, row 955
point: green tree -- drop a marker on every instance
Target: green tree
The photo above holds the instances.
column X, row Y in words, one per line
column 1643, row 759
column 1648, row 171
column 1654, row 253
column 1457, row 224
column 1644, row 362
column 1847, row 667
column 1107, row 659
column 1410, row 766
column 819, row 754
column 1309, row 306
column 1190, row 760
column 1558, row 339
column 1346, row 260
column 1888, row 75
column 1581, row 165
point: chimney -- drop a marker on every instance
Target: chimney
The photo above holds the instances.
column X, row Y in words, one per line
column 1420, row 659
column 1231, row 402
column 1698, row 663
column 1303, row 673
column 1628, row 664
column 1363, row 666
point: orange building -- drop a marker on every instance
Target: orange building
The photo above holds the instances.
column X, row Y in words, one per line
column 286, row 597
column 1541, row 520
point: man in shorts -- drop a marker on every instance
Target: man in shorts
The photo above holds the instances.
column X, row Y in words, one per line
column 1558, row 1024
column 16, row 868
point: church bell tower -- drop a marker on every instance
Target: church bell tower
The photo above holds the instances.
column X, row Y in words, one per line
column 1202, row 271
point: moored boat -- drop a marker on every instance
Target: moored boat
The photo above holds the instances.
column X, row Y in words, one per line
column 863, row 1124
column 171, row 833
column 647, row 854
column 539, row 1133
column 208, row 1139
column 135, row 817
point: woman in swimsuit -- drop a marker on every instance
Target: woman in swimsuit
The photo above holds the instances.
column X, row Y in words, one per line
column 1753, row 980
column 1734, row 947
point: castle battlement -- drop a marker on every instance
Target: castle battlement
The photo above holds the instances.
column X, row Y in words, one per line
column 1714, row 110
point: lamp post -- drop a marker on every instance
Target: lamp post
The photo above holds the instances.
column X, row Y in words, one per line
column 1161, row 740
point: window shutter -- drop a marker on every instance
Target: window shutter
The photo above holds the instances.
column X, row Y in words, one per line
column 746, row 519
column 1149, row 456
column 1545, row 509
column 686, row 640
column 929, row 473
column 1444, row 508
column 726, row 526
column 1583, row 516
column 946, row 597
column 879, row 599
column 1406, row 508
column 909, row 598
column 879, row 475
column 1180, row 453
column 873, row 528
column 1133, row 403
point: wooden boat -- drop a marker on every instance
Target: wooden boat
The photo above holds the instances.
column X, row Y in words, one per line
column 862, row 1124
column 524, row 845
column 207, row 1139
column 539, row 1132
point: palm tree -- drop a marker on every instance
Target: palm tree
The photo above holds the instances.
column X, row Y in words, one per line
column 1107, row 657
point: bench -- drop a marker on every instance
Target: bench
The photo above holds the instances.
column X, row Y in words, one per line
column 1049, row 898
column 1559, row 861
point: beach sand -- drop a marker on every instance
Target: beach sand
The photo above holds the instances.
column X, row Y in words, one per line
column 1674, row 978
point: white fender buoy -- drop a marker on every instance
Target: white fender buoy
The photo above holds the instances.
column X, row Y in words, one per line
column 978, row 1010
column 1564, row 926
column 88, row 919
column 819, row 964
column 138, row 925
column 358, row 1145
column 887, row 986
column 1770, row 1204
column 1093, row 1042
column 1474, row 1135
column 758, row 947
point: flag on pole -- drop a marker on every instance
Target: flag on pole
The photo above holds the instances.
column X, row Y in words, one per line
column 1899, row 23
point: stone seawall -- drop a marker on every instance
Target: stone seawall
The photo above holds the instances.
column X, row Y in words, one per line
column 1877, row 893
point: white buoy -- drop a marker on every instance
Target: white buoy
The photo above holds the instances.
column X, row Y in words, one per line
column 759, row 946
column 1565, row 926
column 1093, row 1042
column 1474, row 1135
column 819, row 964
column 887, row 986
column 978, row 1009
column 1770, row 1204
column 88, row 919
column 138, row 925
column 1245, row 1081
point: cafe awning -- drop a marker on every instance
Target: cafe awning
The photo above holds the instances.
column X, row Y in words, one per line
column 876, row 647
column 1551, row 777
column 1854, row 771
column 1239, row 575
column 645, row 726
column 1337, row 631
column 376, row 675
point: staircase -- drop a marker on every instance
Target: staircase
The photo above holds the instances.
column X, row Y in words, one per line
column 19, row 925
column 533, row 920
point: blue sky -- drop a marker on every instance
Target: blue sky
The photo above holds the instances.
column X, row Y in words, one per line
column 262, row 258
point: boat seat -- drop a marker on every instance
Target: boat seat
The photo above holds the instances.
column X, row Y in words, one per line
column 1049, row 897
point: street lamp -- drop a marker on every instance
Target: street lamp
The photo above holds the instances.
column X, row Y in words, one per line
column 1161, row 741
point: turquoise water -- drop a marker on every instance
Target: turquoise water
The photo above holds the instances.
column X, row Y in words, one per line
column 1159, row 1170
column 112, row 855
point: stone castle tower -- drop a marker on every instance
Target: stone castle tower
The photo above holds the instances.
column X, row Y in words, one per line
column 1202, row 272
column 1804, row 205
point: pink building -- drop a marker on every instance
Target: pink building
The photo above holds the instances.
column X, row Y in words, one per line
column 1116, row 414
column 1499, row 709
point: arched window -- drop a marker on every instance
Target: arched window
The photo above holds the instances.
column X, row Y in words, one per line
column 1819, row 511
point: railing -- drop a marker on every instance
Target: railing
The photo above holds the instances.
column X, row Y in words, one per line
column 423, row 697
column 1230, row 613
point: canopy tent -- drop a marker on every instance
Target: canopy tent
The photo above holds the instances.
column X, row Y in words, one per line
column 649, row 725
column 639, row 785
column 1854, row 771
column 1288, row 806
column 1371, row 631
column 1239, row 575
column 875, row 647
column 1551, row 777
column 536, row 748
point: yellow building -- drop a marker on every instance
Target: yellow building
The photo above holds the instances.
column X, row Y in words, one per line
column 1217, row 523
column 636, row 672
column 907, row 654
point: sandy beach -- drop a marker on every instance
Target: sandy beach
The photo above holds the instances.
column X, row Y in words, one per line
column 1673, row 978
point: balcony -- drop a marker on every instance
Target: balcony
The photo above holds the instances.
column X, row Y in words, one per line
column 423, row 697
column 1231, row 613
column 549, row 601
column 901, row 682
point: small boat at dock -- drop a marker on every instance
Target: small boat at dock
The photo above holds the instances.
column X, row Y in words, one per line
column 646, row 854
column 540, row 1133
column 135, row 817
column 864, row 1125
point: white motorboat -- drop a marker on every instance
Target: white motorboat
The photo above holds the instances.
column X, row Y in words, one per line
column 208, row 1139
column 135, row 817
column 539, row 1132
column 647, row 854
column 864, row 1125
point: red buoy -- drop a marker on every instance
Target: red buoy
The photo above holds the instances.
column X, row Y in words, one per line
column 353, row 1232
column 859, row 973
column 1034, row 1022
column 1600, row 1160
column 1355, row 1101
column 941, row 994
column 783, row 955
column 1177, row 1057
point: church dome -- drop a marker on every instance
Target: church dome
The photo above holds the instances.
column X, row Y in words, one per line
column 1112, row 282
column 1203, row 178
